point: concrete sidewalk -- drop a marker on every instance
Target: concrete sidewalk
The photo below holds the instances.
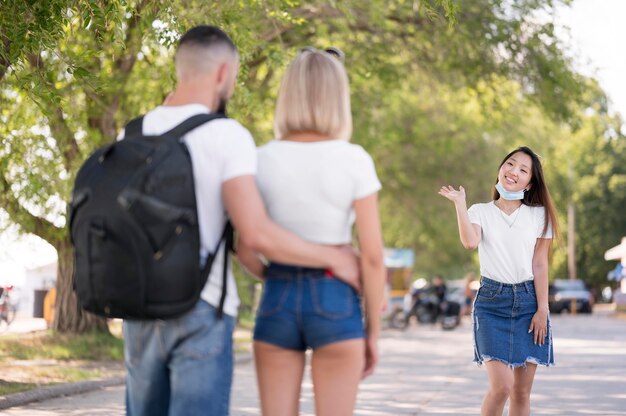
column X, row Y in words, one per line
column 23, row 325
column 427, row 371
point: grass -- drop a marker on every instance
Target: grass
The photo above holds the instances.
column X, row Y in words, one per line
column 7, row 387
column 56, row 346
column 46, row 358
column 27, row 377
column 242, row 340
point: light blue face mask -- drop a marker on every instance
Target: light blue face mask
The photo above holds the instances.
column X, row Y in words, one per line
column 508, row 195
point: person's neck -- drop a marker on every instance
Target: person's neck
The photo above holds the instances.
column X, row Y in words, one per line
column 306, row 137
column 192, row 93
column 506, row 205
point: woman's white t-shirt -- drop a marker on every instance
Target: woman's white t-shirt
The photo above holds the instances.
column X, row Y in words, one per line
column 309, row 187
column 507, row 243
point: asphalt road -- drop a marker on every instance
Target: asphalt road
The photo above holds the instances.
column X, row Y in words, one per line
column 427, row 371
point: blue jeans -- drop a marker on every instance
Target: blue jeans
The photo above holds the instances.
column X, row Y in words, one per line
column 181, row 366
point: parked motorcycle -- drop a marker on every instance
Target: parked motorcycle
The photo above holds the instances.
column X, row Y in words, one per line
column 7, row 308
column 425, row 305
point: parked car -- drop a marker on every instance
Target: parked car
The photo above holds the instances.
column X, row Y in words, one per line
column 563, row 293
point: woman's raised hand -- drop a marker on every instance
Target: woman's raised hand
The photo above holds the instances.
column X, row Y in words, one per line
column 452, row 194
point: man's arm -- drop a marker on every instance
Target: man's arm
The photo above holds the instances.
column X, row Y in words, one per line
column 249, row 217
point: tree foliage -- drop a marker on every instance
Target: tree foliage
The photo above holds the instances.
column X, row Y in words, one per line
column 441, row 90
column 591, row 175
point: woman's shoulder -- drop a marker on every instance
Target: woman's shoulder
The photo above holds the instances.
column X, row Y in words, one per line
column 355, row 152
column 536, row 209
column 538, row 212
column 274, row 146
column 269, row 144
column 481, row 206
column 347, row 152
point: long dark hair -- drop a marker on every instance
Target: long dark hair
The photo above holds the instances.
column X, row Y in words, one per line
column 538, row 194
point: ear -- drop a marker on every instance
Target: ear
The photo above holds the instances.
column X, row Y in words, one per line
column 222, row 73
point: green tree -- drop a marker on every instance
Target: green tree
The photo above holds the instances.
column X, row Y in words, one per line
column 592, row 177
column 427, row 80
column 64, row 76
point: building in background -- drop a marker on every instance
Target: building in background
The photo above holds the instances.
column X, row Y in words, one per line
column 399, row 264
column 38, row 281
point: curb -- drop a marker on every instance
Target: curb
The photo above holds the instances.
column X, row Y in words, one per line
column 46, row 393
column 70, row 389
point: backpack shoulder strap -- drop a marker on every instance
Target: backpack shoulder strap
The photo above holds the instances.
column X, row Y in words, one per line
column 228, row 246
column 227, row 239
column 191, row 123
column 134, row 128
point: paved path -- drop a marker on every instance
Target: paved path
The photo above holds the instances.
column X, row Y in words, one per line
column 22, row 325
column 426, row 371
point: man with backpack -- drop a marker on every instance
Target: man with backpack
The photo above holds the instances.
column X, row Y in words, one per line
column 184, row 365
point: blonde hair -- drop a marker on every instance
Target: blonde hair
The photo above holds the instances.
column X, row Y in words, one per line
column 314, row 96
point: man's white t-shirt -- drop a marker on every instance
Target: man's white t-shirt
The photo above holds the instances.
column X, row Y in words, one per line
column 309, row 187
column 507, row 243
column 220, row 150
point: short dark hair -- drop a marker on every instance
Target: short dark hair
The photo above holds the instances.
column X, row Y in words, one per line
column 206, row 36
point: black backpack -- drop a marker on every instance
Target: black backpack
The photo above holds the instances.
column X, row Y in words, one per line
column 134, row 227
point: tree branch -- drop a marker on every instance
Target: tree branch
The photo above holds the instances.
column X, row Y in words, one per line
column 20, row 215
column 105, row 122
column 59, row 127
column 5, row 46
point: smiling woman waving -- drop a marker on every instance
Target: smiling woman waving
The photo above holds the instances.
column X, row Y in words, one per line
column 513, row 233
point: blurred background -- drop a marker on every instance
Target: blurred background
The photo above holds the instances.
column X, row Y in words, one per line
column 441, row 91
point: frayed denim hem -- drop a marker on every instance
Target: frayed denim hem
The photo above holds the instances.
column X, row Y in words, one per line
column 512, row 366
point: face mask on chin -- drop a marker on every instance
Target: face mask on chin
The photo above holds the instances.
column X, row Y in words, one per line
column 509, row 195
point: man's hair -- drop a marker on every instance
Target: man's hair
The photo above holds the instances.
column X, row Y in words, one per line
column 202, row 49
column 206, row 36
column 314, row 97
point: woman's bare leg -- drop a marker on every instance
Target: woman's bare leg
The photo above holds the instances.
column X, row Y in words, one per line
column 279, row 376
column 501, row 379
column 520, row 396
column 337, row 370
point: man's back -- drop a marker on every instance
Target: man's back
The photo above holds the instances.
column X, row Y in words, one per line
column 220, row 150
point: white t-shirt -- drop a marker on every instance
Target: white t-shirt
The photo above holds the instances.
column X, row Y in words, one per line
column 220, row 150
column 507, row 243
column 309, row 188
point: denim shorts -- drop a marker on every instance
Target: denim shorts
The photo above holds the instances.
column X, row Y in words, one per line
column 501, row 317
column 304, row 307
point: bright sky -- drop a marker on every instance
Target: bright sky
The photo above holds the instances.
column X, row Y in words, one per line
column 597, row 39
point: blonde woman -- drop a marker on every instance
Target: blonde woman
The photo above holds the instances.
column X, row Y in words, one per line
column 316, row 184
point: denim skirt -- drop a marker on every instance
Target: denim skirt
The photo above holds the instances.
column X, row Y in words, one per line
column 501, row 318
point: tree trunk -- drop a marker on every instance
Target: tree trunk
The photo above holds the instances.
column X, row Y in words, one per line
column 69, row 316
